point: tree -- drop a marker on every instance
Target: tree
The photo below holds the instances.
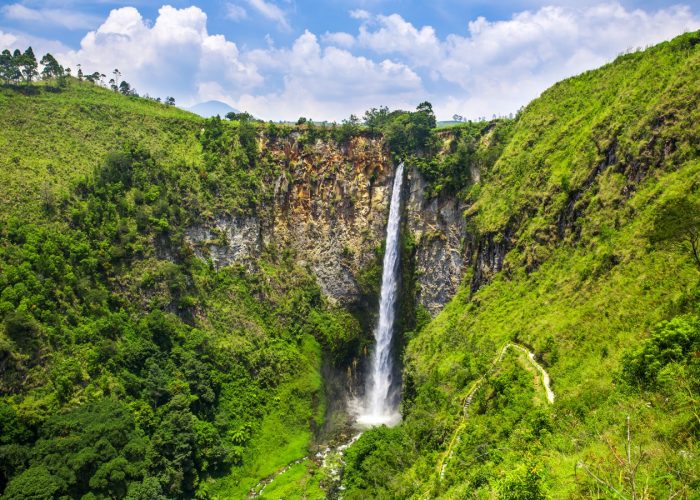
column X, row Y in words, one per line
column 678, row 222
column 524, row 482
column 675, row 341
column 63, row 79
column 17, row 54
column 457, row 118
column 426, row 109
column 375, row 119
column 7, row 66
column 93, row 77
column 170, row 101
column 114, row 82
column 28, row 65
column 125, row 88
column 52, row 70
column 100, row 449
column 348, row 129
column 242, row 117
column 174, row 443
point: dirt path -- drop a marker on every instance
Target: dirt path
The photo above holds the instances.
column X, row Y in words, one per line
column 544, row 379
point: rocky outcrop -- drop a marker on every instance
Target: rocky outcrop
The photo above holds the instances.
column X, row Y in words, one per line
column 486, row 257
column 330, row 206
column 439, row 228
column 226, row 240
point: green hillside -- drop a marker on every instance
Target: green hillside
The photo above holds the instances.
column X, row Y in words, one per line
column 594, row 196
column 50, row 139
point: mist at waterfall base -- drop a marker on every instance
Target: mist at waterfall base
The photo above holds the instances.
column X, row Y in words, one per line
column 380, row 403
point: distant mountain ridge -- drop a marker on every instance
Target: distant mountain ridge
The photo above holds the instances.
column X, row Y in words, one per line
column 208, row 109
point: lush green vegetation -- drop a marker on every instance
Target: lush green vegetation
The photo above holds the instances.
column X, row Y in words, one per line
column 51, row 140
column 130, row 368
column 594, row 190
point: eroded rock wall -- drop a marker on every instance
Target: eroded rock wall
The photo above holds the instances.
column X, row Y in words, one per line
column 439, row 229
column 329, row 205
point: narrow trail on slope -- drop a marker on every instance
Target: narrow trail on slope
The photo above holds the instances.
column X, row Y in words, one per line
column 544, row 378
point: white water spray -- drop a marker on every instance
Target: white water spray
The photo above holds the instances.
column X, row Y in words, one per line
column 380, row 407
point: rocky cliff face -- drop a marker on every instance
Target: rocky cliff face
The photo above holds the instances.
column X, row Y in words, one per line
column 439, row 229
column 329, row 206
column 227, row 239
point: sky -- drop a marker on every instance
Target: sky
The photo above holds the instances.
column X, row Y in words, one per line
column 326, row 60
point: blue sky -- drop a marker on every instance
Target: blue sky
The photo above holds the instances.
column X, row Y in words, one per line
column 280, row 59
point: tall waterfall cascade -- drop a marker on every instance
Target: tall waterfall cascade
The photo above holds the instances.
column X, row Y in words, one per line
column 380, row 405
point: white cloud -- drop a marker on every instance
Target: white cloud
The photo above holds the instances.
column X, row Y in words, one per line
column 395, row 35
column 502, row 65
column 173, row 56
column 21, row 41
column 213, row 91
column 499, row 66
column 339, row 39
column 329, row 83
column 65, row 18
column 7, row 40
column 235, row 12
column 271, row 12
column 359, row 14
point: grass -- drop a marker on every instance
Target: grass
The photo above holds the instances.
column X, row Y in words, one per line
column 52, row 139
column 300, row 481
column 284, row 435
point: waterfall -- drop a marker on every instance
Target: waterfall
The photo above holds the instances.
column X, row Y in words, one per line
column 380, row 406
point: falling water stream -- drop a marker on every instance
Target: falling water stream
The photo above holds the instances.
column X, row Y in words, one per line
column 380, row 405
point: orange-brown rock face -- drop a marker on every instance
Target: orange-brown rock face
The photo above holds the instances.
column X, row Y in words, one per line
column 330, row 206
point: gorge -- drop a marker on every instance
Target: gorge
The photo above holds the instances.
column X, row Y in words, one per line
column 188, row 305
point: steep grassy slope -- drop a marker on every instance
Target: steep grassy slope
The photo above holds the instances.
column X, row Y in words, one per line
column 574, row 199
column 50, row 139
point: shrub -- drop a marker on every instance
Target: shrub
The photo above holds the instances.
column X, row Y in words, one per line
column 677, row 340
